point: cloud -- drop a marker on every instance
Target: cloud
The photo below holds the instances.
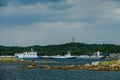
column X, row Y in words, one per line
column 11, row 9
column 43, row 12
column 38, row 33
column 71, row 2
column 111, row 0
column 15, row 7
column 56, row 21
column 65, row 11
column 52, row 26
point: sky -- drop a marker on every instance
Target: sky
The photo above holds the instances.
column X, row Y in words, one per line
column 48, row 22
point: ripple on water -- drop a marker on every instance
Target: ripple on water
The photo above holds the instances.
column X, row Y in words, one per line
column 42, row 74
column 18, row 73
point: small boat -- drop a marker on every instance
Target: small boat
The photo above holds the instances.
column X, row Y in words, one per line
column 28, row 55
column 67, row 56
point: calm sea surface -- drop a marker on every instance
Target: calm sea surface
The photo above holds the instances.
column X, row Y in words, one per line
column 13, row 71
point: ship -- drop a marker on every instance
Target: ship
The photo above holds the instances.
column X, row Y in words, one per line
column 27, row 55
column 67, row 56
column 94, row 56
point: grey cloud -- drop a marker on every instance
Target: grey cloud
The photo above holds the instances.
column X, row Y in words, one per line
column 90, row 21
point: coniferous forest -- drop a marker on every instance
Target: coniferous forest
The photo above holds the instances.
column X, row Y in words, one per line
column 61, row 49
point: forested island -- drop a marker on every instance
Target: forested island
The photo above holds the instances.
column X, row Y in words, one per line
column 61, row 49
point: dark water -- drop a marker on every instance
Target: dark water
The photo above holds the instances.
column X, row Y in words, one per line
column 13, row 71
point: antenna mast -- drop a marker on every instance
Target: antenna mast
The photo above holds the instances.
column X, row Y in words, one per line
column 73, row 40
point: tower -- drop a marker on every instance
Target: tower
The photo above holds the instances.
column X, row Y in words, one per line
column 73, row 40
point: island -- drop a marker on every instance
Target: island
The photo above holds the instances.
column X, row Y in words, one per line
column 113, row 65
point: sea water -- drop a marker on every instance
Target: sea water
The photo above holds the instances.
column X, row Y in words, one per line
column 14, row 71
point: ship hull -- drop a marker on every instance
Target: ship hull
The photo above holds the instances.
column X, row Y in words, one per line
column 62, row 57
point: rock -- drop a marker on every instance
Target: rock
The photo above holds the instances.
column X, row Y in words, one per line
column 46, row 67
column 87, row 65
column 95, row 63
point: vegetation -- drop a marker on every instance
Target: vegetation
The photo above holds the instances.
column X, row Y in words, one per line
column 10, row 60
column 107, row 63
column 75, row 48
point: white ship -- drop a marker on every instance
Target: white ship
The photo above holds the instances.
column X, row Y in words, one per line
column 26, row 54
column 67, row 56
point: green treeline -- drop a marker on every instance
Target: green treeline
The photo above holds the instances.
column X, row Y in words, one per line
column 75, row 48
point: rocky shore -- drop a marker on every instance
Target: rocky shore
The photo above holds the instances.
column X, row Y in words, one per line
column 94, row 66
column 113, row 65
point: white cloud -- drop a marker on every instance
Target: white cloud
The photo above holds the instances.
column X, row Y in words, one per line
column 70, row 2
column 116, row 13
column 54, row 26
column 110, row 16
column 38, row 33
